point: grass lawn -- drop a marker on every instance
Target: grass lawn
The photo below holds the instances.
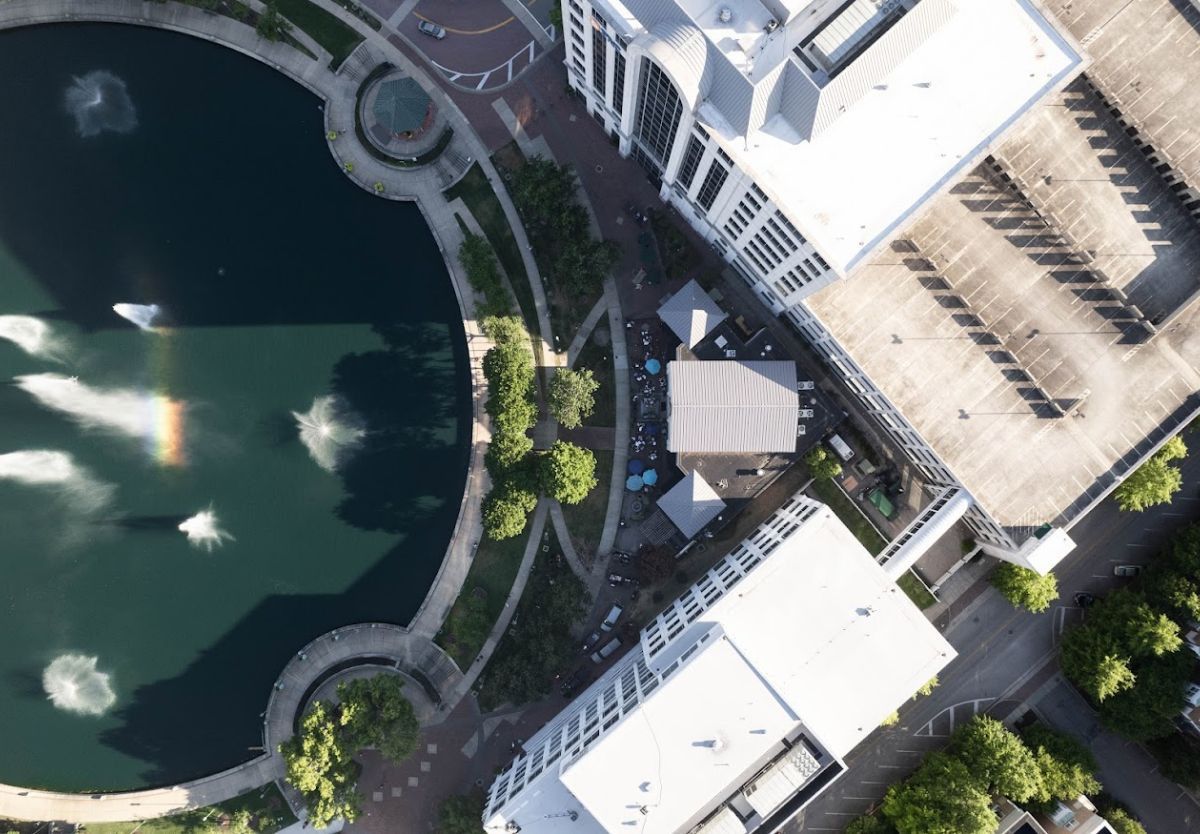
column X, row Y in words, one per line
column 916, row 590
column 335, row 37
column 476, row 192
column 482, row 598
column 269, row 813
column 599, row 361
column 827, row 492
column 585, row 520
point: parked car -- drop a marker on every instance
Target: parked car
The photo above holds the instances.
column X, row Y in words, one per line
column 431, row 29
column 840, row 447
column 614, row 614
column 1084, row 600
column 590, row 643
column 1127, row 570
column 606, row 652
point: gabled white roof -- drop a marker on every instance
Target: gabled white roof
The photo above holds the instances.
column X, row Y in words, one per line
column 691, row 313
column 691, row 504
column 729, row 406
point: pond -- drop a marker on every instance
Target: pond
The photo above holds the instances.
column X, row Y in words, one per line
column 283, row 374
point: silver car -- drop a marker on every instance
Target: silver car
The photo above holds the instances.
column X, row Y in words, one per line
column 431, row 29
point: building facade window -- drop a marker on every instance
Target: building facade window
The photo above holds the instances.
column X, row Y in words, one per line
column 691, row 161
column 658, row 114
column 618, row 91
column 599, row 60
column 717, row 174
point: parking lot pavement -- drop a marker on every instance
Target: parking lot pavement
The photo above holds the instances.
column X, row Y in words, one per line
column 486, row 44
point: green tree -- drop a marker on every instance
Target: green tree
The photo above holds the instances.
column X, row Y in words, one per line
column 1067, row 768
column 873, row 824
column 1155, row 481
column 998, row 759
column 581, row 266
column 942, row 797
column 241, row 822
column 1135, row 626
column 543, row 190
column 572, row 396
column 1175, row 593
column 1149, row 708
column 504, row 329
column 505, row 511
column 507, row 449
column 1122, row 822
column 1178, row 758
column 568, row 472
column 926, row 688
column 271, row 24
column 1025, row 588
column 373, row 712
column 822, row 465
column 319, row 765
column 1089, row 660
column 460, row 814
column 483, row 273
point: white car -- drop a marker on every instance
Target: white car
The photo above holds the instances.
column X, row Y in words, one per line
column 431, row 29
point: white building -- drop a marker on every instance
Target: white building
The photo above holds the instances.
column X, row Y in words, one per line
column 800, row 136
column 740, row 701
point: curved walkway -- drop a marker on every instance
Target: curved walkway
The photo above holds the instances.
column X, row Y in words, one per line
column 412, row 649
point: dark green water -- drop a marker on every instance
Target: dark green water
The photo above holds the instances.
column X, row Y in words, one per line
column 281, row 282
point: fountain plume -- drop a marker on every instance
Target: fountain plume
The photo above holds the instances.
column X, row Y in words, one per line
column 203, row 530
column 153, row 418
column 99, row 101
column 330, row 431
column 57, row 470
column 33, row 336
column 73, row 683
column 143, row 315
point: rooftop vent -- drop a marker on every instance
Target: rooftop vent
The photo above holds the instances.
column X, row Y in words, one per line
column 771, row 26
column 725, row 14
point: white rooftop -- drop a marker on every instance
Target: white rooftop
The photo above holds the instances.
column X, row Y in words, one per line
column 722, row 406
column 715, row 720
column 813, row 638
column 691, row 504
column 852, row 159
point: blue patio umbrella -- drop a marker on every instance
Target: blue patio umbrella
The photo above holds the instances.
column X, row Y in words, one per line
column 653, row 366
column 636, row 467
column 633, row 483
column 650, row 477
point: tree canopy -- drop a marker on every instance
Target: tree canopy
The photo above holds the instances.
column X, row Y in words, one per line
column 371, row 712
column 320, row 766
column 1025, row 588
column 1154, row 482
column 822, row 465
column 998, row 759
column 568, row 472
column 1067, row 768
column 942, row 797
column 375, row 713
column 505, row 510
column 572, row 396
column 1122, row 821
column 460, row 814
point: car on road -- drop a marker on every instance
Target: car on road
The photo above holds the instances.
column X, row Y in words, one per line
column 431, row 29
column 606, row 652
column 1127, row 570
column 1084, row 600
column 614, row 614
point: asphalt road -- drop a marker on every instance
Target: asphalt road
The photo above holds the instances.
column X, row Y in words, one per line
column 1006, row 656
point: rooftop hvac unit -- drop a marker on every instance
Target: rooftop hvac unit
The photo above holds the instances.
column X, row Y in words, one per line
column 725, row 14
